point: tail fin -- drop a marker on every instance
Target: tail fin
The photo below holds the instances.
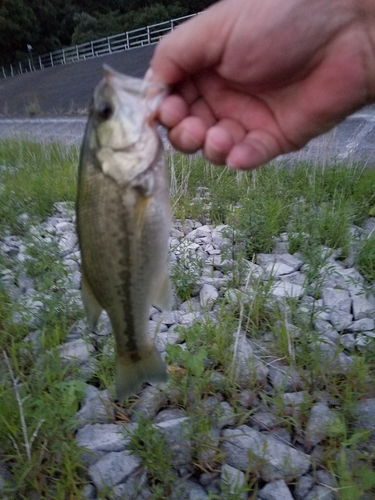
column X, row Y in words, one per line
column 130, row 375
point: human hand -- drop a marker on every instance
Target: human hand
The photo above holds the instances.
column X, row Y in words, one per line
column 252, row 79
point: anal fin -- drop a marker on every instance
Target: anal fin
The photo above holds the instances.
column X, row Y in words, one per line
column 92, row 307
column 162, row 297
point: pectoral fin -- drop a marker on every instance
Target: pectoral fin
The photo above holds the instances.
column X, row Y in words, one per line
column 162, row 297
column 92, row 307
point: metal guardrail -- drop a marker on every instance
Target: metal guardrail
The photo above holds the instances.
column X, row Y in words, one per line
column 116, row 43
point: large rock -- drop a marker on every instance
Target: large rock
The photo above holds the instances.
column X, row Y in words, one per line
column 176, row 441
column 98, row 439
column 76, row 350
column 340, row 320
column 233, row 480
column 303, row 487
column 321, row 493
column 207, row 295
column 286, row 289
column 285, row 378
column 277, row 269
column 322, row 418
column 365, row 412
column 337, row 299
column 247, row 448
column 149, row 403
column 362, row 325
column 276, row 490
column 363, row 307
column 247, row 365
column 98, row 409
column 135, row 487
column 114, row 468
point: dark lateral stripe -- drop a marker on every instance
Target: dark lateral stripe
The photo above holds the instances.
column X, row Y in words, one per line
column 129, row 331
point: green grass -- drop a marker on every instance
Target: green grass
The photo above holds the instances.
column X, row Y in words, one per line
column 39, row 395
column 366, row 258
column 36, row 176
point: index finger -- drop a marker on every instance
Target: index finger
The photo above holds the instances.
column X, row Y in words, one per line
column 194, row 45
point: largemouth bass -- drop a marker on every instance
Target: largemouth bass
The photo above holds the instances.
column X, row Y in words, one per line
column 123, row 222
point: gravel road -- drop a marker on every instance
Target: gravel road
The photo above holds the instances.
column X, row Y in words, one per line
column 352, row 139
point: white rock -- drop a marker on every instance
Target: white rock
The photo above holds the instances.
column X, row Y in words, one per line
column 361, row 325
column 284, row 289
column 295, row 398
column 98, row 439
column 263, row 259
column 98, row 408
column 337, row 299
column 166, row 317
column 319, row 424
column 277, row 269
column 285, row 378
column 211, row 250
column 234, row 480
column 64, row 227
column 247, row 365
column 78, row 350
column 191, row 305
column 340, row 320
column 296, row 277
column 348, row 341
column 363, row 307
column 67, row 243
column 207, row 295
column 176, row 440
column 321, row 493
column 279, row 461
column 113, row 469
column 276, row 490
column 254, row 270
column 303, row 487
column 290, row 260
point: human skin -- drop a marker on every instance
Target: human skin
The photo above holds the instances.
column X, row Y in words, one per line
column 252, row 79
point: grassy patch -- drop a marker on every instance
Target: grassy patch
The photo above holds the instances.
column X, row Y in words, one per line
column 313, row 205
column 39, row 395
column 33, row 177
column 366, row 258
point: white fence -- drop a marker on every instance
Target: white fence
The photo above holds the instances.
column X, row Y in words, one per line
column 116, row 43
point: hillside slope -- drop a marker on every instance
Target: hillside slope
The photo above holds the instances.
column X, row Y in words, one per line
column 65, row 89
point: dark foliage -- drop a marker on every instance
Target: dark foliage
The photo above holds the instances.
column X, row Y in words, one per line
column 48, row 25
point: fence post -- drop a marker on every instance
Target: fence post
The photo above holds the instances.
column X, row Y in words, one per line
column 148, row 35
column 127, row 41
column 172, row 25
column 63, row 51
column 20, row 67
column 11, row 70
column 77, row 52
column 109, row 45
column 51, row 58
column 92, row 49
column 2, row 67
column 40, row 63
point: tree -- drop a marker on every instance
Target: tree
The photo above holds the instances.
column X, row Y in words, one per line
column 18, row 27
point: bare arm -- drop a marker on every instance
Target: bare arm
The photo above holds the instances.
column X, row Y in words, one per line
column 256, row 78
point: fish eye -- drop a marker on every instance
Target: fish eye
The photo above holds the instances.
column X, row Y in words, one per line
column 105, row 110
